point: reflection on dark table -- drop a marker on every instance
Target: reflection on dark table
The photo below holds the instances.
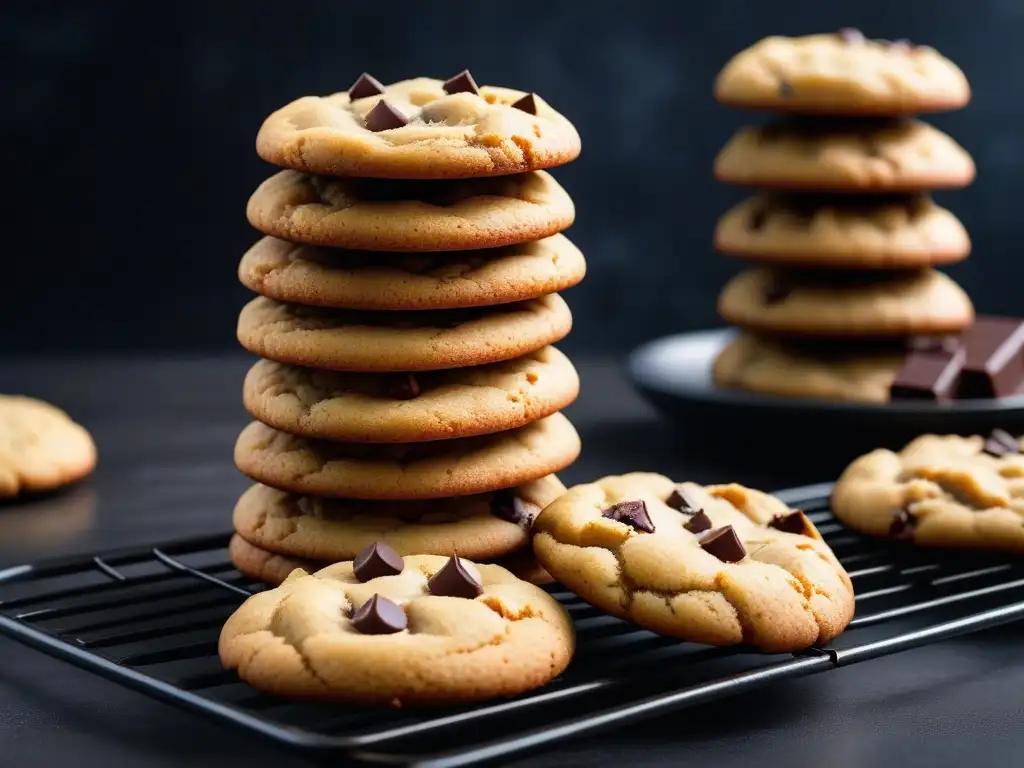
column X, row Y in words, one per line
column 165, row 431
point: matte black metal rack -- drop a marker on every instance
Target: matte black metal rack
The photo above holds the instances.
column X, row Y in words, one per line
column 149, row 618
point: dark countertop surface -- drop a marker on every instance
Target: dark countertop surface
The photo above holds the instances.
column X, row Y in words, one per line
column 165, row 430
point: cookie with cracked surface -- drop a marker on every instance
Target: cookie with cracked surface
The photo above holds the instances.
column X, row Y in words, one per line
column 481, row 527
column 400, row 342
column 842, row 74
column 41, row 448
column 845, row 304
column 435, row 470
column 418, row 216
column 372, row 280
column 939, row 491
column 434, row 633
column 843, row 155
column 823, row 371
column 411, row 408
column 435, row 134
column 717, row 564
column 271, row 568
column 843, row 231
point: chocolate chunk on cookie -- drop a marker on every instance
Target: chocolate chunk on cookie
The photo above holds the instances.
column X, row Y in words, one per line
column 742, row 581
column 497, row 637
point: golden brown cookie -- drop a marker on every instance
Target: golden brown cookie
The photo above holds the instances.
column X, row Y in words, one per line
column 389, row 215
column 824, row 370
column 437, row 632
column 720, row 564
column 411, row 408
column 939, row 491
column 382, row 342
column 41, row 448
column 333, row 277
column 845, row 304
column 845, row 231
column 842, row 74
column 461, row 467
column 482, row 527
column 261, row 565
column 423, row 131
column 861, row 155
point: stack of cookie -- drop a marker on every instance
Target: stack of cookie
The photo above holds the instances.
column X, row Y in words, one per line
column 847, row 234
column 407, row 280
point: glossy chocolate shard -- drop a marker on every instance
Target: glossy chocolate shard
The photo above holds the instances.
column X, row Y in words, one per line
column 929, row 375
column 794, row 521
column 1001, row 443
column 384, row 117
column 376, row 560
column 461, row 83
column 403, row 387
column 903, row 524
column 633, row 513
column 509, row 506
column 453, row 580
column 367, row 85
column 994, row 366
column 682, row 500
column 379, row 616
column 724, row 544
column 526, row 104
column 698, row 523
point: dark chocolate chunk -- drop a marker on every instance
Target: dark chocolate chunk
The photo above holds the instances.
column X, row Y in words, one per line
column 453, row 580
column 366, row 85
column 379, row 616
column 903, row 524
column 794, row 521
column 507, row 505
column 384, row 117
column 724, row 544
column 851, row 36
column 698, row 523
column 929, row 375
column 995, row 358
column 461, row 83
column 632, row 513
column 377, row 559
column 526, row 104
column 682, row 500
column 1001, row 443
column 403, row 387
column 785, row 89
column 777, row 290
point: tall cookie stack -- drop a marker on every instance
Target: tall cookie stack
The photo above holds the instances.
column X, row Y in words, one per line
column 846, row 232
column 407, row 283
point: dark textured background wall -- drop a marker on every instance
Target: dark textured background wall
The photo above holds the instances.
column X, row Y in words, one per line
column 128, row 131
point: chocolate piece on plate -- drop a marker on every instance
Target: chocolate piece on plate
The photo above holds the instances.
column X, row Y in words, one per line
column 931, row 371
column 995, row 358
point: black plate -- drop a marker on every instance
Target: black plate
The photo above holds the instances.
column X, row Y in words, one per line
column 674, row 374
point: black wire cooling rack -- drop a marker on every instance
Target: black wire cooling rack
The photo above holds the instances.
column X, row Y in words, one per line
column 149, row 618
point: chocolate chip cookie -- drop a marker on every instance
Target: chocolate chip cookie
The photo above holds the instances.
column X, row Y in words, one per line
column 389, row 215
column 845, row 304
column 841, row 155
column 390, row 342
column 374, row 280
column 433, row 470
column 419, row 129
column 939, row 491
column 720, row 564
column 843, row 231
column 407, row 407
column 842, row 74
column 419, row 630
column 41, row 448
column 481, row 527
